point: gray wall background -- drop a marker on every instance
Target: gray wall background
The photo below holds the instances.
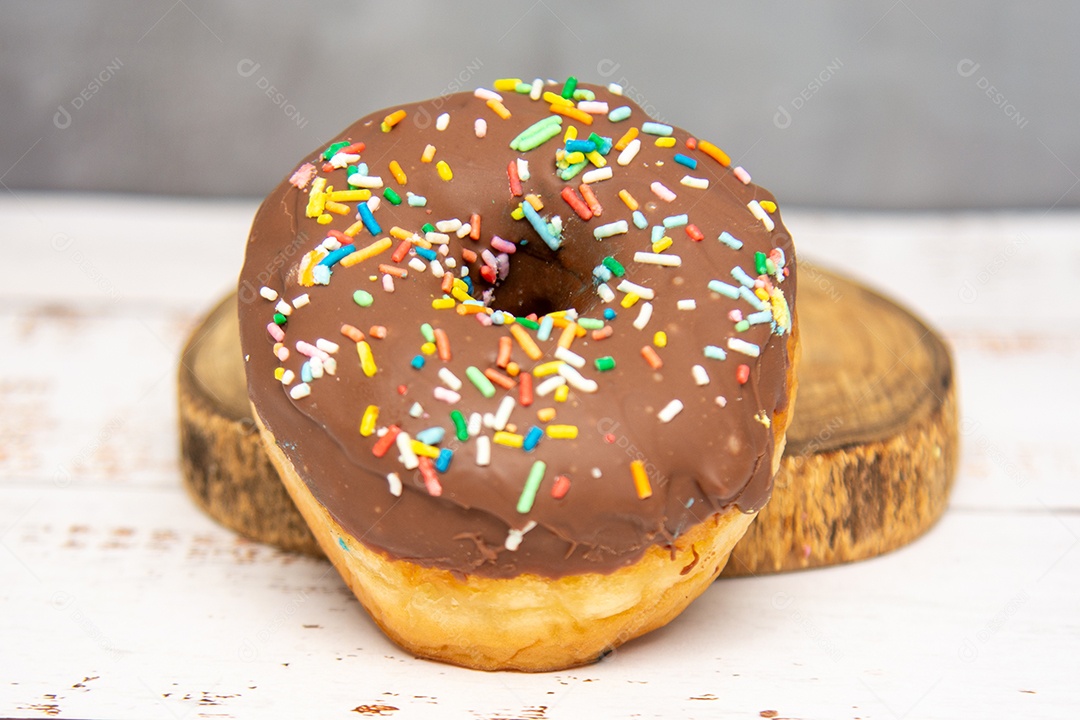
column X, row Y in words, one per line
column 891, row 104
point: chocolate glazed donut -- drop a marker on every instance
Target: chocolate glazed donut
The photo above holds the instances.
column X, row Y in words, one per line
column 665, row 275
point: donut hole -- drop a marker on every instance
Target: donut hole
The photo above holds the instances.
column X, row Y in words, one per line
column 539, row 286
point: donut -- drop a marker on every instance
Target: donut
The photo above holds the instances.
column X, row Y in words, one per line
column 524, row 358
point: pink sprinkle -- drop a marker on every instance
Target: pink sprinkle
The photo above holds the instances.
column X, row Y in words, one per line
column 661, row 191
column 303, row 175
column 282, row 353
column 484, row 319
column 275, row 332
column 735, row 315
column 388, row 283
column 488, row 257
column 503, row 245
column 446, row 395
column 310, row 350
column 742, row 175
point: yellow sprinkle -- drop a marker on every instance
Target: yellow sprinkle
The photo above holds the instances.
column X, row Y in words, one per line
column 574, row 158
column 384, row 127
column 762, row 294
column 279, row 373
column 571, row 134
column 354, row 229
column 561, row 393
column 365, row 253
column 401, row 233
column 508, row 439
column 562, row 432
column 398, row 173
column 443, row 303
column 517, row 213
column 428, row 348
column 629, row 299
column 659, row 339
column 629, row 200
column 506, row 84
column 471, row 309
column 768, row 206
column 556, row 99
column 336, row 207
column 526, row 342
column 367, row 422
column 424, row 449
column 665, row 142
column 499, row 108
column 460, row 294
column 641, row 479
column 367, row 360
column 307, row 264
column 512, row 369
column 349, row 195
column 545, row 414
column 662, row 244
column 535, row 201
column 596, row 158
column 316, row 197
column 429, row 153
column 392, row 119
column 548, row 368
column 325, row 219
column 625, row 139
column 444, row 170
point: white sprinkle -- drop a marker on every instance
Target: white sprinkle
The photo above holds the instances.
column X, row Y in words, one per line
column 330, row 365
column 593, row 107
column 485, row 94
column 447, row 396
column 373, row 203
column 597, row 473
column 437, row 268
column 746, row 348
column 577, row 381
column 605, row 292
column 408, row 456
column 284, row 308
column 301, row 300
column 330, row 243
column 696, row 183
column 483, row 451
column 629, row 152
column 649, row 258
column 701, row 375
column 514, row 537
column 759, row 212
column 316, row 367
column 448, row 226
column 416, row 410
column 394, row 481
column 569, row 356
column 437, row 238
column 523, row 169
column 640, row 290
column 300, row 391
column 442, row 122
column 463, row 230
column 644, row 315
column 489, row 420
column 365, row 181
column 721, row 401
column 480, row 127
column 740, row 173
column 502, row 415
column 615, row 89
column 618, row 227
column 537, row 89
column 451, row 380
column 268, row 293
column 417, row 264
column 327, row 346
column 670, row 410
column 287, row 377
column 661, row 191
column 548, row 385
column 340, row 160
column 452, row 263
column 597, row 175
column 475, row 423
column 687, row 304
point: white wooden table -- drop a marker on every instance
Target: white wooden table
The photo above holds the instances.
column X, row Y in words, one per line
column 119, row 599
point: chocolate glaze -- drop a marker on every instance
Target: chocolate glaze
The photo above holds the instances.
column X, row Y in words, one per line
column 706, row 459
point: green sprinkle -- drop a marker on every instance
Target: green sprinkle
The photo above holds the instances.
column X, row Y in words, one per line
column 603, row 364
column 460, row 426
column 539, row 138
column 427, row 227
column 527, row 323
column 428, row 333
column 614, row 266
column 392, row 196
column 590, row 323
column 570, row 172
column 540, row 127
column 523, row 88
column 332, row 150
column 532, row 485
column 351, row 170
column 584, row 94
column 770, row 266
column 742, row 326
column 760, row 263
column 363, row 298
column 280, row 319
column 569, row 87
column 480, row 380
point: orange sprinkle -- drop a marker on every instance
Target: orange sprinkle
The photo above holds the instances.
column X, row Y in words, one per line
column 641, row 479
column 354, row 229
column 571, row 112
column 468, row 255
column 428, row 154
column 714, row 152
column 627, row 198
column 691, row 143
column 442, row 344
column 393, row 270
column 352, row 333
column 512, row 369
column 525, row 341
column 566, row 338
column 355, row 148
column 398, row 173
column 393, row 119
column 447, row 283
column 625, row 139
column 506, row 346
column 651, row 357
column 525, row 389
column 503, row 381
column 590, row 197
column 470, row 309
column 377, row 331
column 604, row 332
column 401, row 251
column 499, row 108
column 474, row 228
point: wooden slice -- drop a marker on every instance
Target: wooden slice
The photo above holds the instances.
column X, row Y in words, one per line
column 870, row 458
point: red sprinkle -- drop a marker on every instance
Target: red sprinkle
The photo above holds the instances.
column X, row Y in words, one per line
column 695, row 234
column 431, row 478
column 577, row 204
column 340, row 237
column 382, row 445
column 356, row 147
column 402, row 389
column 515, row 181
column 401, row 251
column 742, row 374
column 525, row 388
column 590, row 197
column 328, row 168
column 488, row 273
column 610, row 438
column 561, row 486
column 474, row 226
column 604, row 332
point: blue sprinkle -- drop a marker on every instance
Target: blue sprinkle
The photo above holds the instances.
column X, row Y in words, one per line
column 540, row 227
column 729, row 240
column 335, row 257
column 417, row 201
column 601, row 273
column 728, row 291
column 605, row 146
column 619, row 114
column 321, row 275
column 687, row 161
column 655, row 128
column 342, row 543
column 427, row 254
column 657, row 233
column 673, row 221
column 739, row 274
column 498, row 317
column 305, row 371
column 609, row 314
column 432, row 435
column 715, row 353
column 546, row 324
column 368, row 219
column 417, row 362
column 639, row 220
column 758, row 318
column 362, row 168
column 532, row 438
column 584, row 146
column 442, row 463
column 748, row 295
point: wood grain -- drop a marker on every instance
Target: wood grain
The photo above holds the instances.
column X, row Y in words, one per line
column 870, row 458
